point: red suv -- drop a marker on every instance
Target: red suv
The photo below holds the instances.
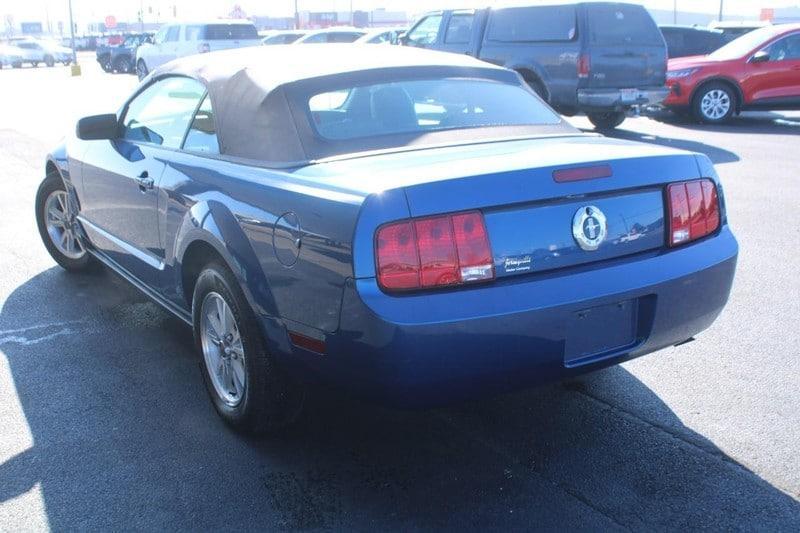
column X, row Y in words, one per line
column 759, row 70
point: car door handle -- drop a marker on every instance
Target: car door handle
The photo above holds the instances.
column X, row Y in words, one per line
column 145, row 181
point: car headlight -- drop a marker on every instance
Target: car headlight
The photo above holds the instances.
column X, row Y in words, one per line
column 683, row 73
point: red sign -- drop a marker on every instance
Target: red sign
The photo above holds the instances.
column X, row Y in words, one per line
column 767, row 14
column 111, row 22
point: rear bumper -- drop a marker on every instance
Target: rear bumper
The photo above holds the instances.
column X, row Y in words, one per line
column 613, row 99
column 426, row 350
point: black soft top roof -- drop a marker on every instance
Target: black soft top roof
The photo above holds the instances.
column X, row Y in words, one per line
column 259, row 95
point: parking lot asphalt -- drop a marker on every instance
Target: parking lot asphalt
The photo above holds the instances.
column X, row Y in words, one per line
column 104, row 421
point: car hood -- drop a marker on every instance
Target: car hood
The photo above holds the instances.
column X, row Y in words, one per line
column 691, row 62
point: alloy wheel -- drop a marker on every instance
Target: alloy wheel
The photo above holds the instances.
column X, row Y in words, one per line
column 223, row 350
column 715, row 104
column 62, row 226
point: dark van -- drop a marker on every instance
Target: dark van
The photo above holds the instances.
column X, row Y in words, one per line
column 597, row 58
column 685, row 41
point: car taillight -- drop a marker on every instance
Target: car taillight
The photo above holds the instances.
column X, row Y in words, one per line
column 203, row 48
column 693, row 210
column 433, row 252
column 584, row 66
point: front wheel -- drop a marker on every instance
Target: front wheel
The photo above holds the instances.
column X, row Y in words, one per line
column 607, row 121
column 248, row 389
column 49, row 61
column 714, row 103
column 141, row 69
column 58, row 227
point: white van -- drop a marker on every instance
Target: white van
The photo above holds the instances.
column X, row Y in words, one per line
column 178, row 40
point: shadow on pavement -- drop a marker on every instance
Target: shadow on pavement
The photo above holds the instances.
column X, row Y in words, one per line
column 124, row 437
column 748, row 123
column 716, row 154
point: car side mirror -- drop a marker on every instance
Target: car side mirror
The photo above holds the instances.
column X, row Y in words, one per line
column 762, row 56
column 97, row 127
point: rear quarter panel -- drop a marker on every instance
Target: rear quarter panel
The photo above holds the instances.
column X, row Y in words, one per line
column 243, row 211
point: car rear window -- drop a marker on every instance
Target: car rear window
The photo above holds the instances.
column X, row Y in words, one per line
column 224, row 32
column 420, row 106
column 621, row 24
column 531, row 24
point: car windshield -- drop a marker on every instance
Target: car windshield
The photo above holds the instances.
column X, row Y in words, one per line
column 745, row 44
column 420, row 106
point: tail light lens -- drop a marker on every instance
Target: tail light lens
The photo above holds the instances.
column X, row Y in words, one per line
column 203, row 48
column 433, row 252
column 584, row 66
column 693, row 210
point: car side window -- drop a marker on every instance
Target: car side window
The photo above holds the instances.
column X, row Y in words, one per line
column 160, row 35
column 459, row 29
column 161, row 113
column 173, row 34
column 318, row 38
column 787, row 49
column 202, row 134
column 426, row 32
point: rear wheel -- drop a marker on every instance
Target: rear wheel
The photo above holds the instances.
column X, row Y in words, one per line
column 248, row 389
column 58, row 227
column 606, row 121
column 714, row 103
column 123, row 64
column 141, row 69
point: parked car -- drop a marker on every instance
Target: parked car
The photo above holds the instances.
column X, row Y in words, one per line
column 179, row 40
column 339, row 35
column 122, row 58
column 382, row 36
column 685, row 41
column 601, row 59
column 733, row 29
column 49, row 53
column 282, row 37
column 759, row 70
column 414, row 227
column 10, row 56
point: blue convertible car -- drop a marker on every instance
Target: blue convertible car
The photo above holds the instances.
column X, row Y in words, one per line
column 411, row 226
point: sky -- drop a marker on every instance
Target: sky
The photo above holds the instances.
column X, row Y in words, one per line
column 125, row 10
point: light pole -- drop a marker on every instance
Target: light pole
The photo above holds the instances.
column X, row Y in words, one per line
column 674, row 11
column 720, row 10
column 75, row 69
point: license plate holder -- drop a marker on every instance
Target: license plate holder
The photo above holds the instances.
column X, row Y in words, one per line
column 628, row 96
column 597, row 331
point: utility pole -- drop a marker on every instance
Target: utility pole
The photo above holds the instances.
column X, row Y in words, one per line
column 141, row 16
column 674, row 11
column 296, row 16
column 720, row 10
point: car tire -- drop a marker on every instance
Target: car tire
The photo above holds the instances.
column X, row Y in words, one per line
column 16, row 65
column 714, row 103
column 249, row 390
column 141, row 69
column 34, row 63
column 52, row 199
column 49, row 61
column 123, row 65
column 606, row 121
